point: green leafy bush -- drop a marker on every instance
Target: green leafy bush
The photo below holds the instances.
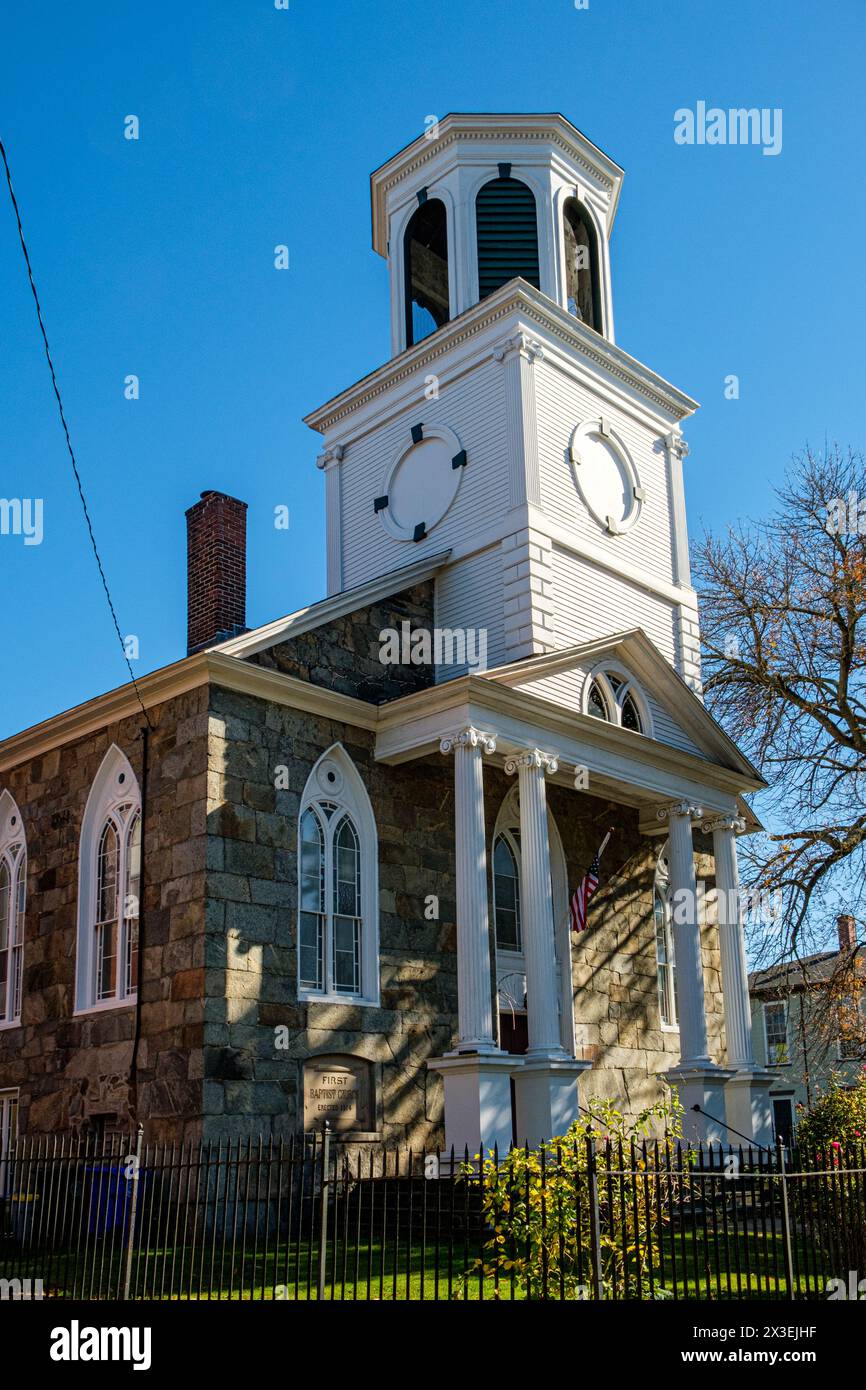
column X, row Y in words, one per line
column 537, row 1210
column 837, row 1118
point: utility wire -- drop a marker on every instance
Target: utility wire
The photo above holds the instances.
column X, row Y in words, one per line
column 66, row 433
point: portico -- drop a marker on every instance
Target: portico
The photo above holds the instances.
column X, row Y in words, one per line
column 484, row 722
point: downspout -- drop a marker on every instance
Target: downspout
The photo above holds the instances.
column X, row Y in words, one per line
column 136, row 1038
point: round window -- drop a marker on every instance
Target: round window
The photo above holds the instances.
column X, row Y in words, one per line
column 606, row 478
column 422, row 484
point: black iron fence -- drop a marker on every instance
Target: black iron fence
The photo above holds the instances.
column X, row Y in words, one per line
column 311, row 1218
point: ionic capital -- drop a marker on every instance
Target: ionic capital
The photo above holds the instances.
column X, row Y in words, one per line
column 679, row 808
column 470, row 737
column 533, row 757
column 735, row 825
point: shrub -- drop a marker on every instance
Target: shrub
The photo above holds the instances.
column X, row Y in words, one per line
column 837, row 1118
column 537, row 1209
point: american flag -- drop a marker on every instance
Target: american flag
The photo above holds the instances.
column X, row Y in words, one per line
column 581, row 897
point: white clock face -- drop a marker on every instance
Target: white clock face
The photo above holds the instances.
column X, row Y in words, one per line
column 422, row 484
column 606, row 477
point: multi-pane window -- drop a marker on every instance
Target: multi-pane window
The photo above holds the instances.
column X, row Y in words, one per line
column 13, row 894
column 666, row 971
column 109, row 888
column 8, row 1132
column 506, row 893
column 115, row 927
column 611, row 696
column 776, row 1032
column 331, row 926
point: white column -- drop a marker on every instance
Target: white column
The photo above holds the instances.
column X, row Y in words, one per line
column 474, row 987
column 691, row 1013
column 536, row 903
column 732, row 945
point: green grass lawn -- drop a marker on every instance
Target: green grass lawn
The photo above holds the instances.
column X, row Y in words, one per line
column 363, row 1272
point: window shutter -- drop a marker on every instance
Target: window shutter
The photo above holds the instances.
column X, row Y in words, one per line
column 507, row 235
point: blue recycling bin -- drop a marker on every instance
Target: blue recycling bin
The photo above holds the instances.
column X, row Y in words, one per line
column 110, row 1197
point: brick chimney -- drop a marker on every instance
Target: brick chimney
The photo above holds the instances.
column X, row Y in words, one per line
column 216, row 551
column 847, row 929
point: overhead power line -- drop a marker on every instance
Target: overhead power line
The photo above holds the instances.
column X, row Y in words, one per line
column 69, row 447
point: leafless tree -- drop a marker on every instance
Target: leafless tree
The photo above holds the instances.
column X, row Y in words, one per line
column 783, row 602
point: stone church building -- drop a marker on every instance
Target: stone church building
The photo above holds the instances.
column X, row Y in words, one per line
column 328, row 876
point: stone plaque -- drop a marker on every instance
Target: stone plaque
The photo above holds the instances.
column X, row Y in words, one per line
column 338, row 1089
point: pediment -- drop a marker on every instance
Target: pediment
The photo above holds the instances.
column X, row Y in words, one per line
column 677, row 715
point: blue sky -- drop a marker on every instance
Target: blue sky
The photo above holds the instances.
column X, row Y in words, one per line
column 260, row 126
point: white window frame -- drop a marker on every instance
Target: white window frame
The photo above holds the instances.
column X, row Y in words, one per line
column 13, row 855
column 662, row 894
column 335, row 780
column 511, row 965
column 615, row 699
column 114, row 787
column 508, row 835
column 771, row 1060
column 9, row 1100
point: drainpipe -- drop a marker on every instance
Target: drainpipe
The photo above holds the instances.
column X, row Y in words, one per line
column 133, row 1064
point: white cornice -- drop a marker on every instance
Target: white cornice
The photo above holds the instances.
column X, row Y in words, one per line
column 98, row 713
column 657, row 677
column 171, row 681
column 336, row 606
column 413, row 725
column 515, row 298
column 624, row 766
column 497, row 128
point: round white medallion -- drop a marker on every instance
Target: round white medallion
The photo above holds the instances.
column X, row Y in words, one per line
column 606, row 477
column 330, row 777
column 423, row 481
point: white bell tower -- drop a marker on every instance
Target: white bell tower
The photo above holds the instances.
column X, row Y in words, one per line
column 509, row 437
column 496, row 197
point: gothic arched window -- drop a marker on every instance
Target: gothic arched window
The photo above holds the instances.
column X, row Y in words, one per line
column 426, row 257
column 613, row 696
column 666, row 976
column 109, row 885
column 13, row 894
column 338, row 952
column 507, row 234
column 506, row 892
column 582, row 289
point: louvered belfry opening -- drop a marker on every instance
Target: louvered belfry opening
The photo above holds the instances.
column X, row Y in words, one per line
column 507, row 234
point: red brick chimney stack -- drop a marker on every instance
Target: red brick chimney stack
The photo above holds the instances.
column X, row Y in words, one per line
column 847, row 928
column 216, row 550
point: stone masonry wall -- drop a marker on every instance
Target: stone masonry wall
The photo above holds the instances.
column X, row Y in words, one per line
column 71, row 1069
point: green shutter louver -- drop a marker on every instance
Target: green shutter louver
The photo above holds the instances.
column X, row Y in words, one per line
column 507, row 234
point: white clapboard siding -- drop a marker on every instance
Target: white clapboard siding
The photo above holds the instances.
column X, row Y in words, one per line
column 561, row 405
column 565, row 689
column 591, row 602
column 474, row 407
column 469, row 595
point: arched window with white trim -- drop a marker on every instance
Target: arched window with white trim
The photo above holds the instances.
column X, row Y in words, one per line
column 506, row 867
column 506, row 891
column 612, row 694
column 109, row 885
column 338, row 894
column 13, row 898
column 666, row 966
